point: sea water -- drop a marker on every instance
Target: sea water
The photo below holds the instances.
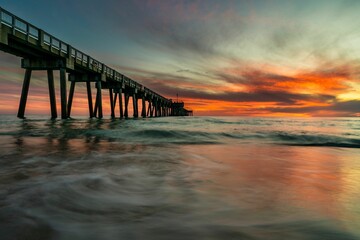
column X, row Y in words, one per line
column 180, row 178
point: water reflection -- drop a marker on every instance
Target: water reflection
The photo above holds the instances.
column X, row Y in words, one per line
column 292, row 183
column 68, row 137
column 84, row 180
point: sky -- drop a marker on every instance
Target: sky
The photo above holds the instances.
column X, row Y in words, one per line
column 236, row 57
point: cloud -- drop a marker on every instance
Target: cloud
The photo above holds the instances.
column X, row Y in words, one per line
column 266, row 92
column 186, row 28
column 261, row 96
column 330, row 79
column 348, row 108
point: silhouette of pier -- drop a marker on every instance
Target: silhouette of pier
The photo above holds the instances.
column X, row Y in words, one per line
column 41, row 51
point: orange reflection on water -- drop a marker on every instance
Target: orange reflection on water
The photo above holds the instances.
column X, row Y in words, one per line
column 267, row 177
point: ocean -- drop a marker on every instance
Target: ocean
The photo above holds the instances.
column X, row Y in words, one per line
column 180, row 178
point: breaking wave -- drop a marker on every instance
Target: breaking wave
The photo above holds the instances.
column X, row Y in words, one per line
column 320, row 133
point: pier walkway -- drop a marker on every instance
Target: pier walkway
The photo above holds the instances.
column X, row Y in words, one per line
column 41, row 51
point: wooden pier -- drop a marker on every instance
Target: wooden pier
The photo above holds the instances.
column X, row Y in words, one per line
column 43, row 52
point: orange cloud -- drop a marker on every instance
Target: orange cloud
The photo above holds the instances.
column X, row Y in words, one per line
column 268, row 91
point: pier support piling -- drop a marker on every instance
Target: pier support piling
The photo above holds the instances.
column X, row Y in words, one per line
column 96, row 107
column 149, row 109
column 121, row 104
column 24, row 93
column 156, row 109
column 115, row 99
column 126, row 113
column 90, row 103
column 152, row 111
column 71, row 96
column 112, row 103
column 63, row 93
column 52, row 94
column 98, row 104
column 143, row 111
column 135, row 106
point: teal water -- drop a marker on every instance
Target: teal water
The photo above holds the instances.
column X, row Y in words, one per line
column 180, row 178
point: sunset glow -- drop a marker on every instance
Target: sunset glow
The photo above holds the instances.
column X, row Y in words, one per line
column 248, row 58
